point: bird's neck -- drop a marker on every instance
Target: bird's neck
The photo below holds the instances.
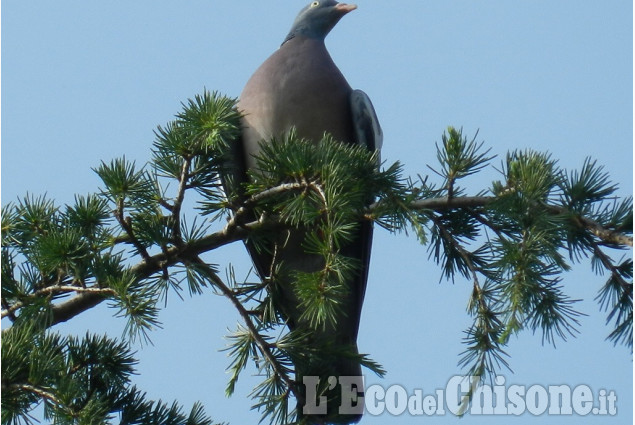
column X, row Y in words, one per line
column 301, row 32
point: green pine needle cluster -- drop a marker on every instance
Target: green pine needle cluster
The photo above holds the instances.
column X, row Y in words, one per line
column 78, row 381
column 146, row 233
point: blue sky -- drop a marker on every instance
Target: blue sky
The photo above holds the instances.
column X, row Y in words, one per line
column 89, row 81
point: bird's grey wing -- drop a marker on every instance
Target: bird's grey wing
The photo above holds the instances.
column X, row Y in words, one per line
column 365, row 123
column 368, row 133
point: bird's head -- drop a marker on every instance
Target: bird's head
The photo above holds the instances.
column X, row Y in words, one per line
column 318, row 18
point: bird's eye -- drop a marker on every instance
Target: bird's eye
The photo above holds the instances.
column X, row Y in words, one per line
column 315, row 4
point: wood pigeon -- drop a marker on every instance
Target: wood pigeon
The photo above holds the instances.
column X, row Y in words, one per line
column 300, row 87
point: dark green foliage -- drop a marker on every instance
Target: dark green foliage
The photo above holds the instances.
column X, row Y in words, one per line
column 78, row 380
column 533, row 216
column 50, row 254
column 140, row 239
column 125, row 185
column 459, row 158
column 197, row 143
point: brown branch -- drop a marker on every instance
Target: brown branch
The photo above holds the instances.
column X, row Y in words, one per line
column 442, row 204
column 608, row 264
column 127, row 227
column 165, row 204
column 606, row 235
column 487, row 223
column 35, row 390
column 55, row 290
column 249, row 203
column 76, row 305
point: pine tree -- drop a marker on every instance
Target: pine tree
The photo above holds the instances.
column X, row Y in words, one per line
column 142, row 236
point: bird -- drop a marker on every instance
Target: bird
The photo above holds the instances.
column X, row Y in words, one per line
column 300, row 89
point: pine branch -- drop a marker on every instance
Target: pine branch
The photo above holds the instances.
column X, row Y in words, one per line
column 40, row 392
column 449, row 238
column 264, row 346
column 606, row 235
column 439, row 204
column 325, row 186
column 55, row 290
column 487, row 223
column 246, row 208
column 235, row 230
column 616, row 297
column 68, row 309
column 485, row 316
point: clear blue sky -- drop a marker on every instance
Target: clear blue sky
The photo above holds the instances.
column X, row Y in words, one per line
column 89, row 81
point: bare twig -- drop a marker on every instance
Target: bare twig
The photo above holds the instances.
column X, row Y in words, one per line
column 608, row 264
column 462, row 252
column 35, row 390
column 178, row 203
column 127, row 227
column 165, row 204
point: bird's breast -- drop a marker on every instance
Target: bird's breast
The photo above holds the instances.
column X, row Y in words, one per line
column 300, row 87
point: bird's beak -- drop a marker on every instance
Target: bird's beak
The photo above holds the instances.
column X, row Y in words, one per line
column 345, row 8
